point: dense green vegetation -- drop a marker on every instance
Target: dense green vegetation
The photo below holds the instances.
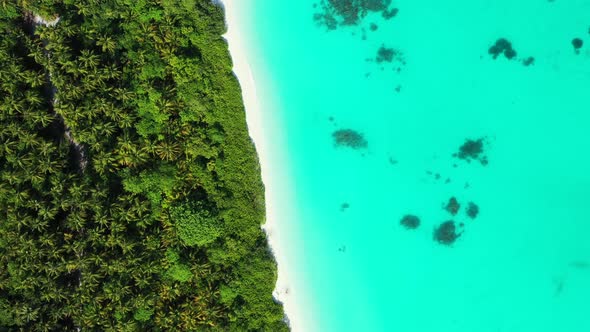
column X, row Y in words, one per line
column 130, row 193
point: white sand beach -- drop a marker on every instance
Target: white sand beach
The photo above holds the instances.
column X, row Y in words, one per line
column 273, row 174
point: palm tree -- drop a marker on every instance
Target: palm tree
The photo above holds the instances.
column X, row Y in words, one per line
column 133, row 156
column 107, row 44
column 88, row 59
column 9, row 146
column 167, row 151
column 103, row 162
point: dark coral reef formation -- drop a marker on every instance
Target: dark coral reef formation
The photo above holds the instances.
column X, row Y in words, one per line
column 387, row 54
column 349, row 138
column 472, row 149
column 335, row 13
column 472, row 210
column 502, row 46
column 528, row 61
column 577, row 43
column 447, row 233
column 410, row 221
column 453, row 206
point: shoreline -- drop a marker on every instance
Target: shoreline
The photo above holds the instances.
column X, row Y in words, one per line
column 276, row 234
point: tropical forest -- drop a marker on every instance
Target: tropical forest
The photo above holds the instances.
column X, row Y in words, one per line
column 130, row 190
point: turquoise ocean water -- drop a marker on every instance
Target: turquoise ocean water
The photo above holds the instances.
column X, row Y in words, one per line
column 523, row 264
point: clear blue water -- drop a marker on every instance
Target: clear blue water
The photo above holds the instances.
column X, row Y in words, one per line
column 523, row 264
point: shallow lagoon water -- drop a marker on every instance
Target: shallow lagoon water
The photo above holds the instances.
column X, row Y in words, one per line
column 523, row 264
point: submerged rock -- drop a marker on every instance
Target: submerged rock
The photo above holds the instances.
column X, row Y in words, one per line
column 580, row 264
column 528, row 61
column 410, row 221
column 446, row 233
column 344, row 206
column 349, row 138
column 577, row 43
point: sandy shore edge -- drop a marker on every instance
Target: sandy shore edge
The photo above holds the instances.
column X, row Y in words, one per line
column 284, row 289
